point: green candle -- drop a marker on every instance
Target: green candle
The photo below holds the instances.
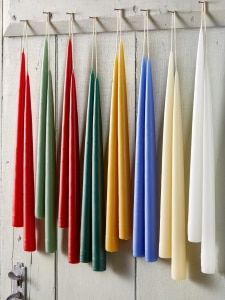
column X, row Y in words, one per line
column 85, row 234
column 50, row 173
column 98, row 215
column 40, row 173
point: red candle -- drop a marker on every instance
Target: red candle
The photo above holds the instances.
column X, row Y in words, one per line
column 74, row 179
column 64, row 155
column 28, row 173
column 17, row 212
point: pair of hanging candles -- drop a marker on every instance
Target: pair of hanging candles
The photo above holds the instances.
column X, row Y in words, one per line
column 93, row 210
column 201, row 218
column 145, row 223
column 118, row 212
column 69, row 188
column 172, row 243
column 23, row 198
column 46, row 157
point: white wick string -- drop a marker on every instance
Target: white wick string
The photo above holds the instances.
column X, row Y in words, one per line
column 94, row 46
column 147, row 21
column 144, row 37
column 117, row 30
column 120, row 19
column 96, row 49
column 25, row 42
column 71, row 35
column 171, row 33
column 204, row 14
column 47, row 25
column 175, row 39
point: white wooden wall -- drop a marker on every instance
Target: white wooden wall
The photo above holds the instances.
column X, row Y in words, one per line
column 50, row 276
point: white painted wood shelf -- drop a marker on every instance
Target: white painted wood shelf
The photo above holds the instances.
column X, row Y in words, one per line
column 130, row 22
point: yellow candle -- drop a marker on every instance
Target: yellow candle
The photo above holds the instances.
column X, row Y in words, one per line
column 178, row 270
column 124, row 184
column 112, row 236
column 166, row 180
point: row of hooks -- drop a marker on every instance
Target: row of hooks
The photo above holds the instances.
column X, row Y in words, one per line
column 120, row 11
column 131, row 22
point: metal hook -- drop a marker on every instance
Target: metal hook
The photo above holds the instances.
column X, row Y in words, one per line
column 71, row 14
column 49, row 15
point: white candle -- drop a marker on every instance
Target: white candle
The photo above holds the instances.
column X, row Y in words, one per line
column 208, row 261
column 195, row 188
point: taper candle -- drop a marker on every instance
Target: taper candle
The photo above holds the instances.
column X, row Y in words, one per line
column 208, row 247
column 17, row 209
column 112, row 232
column 179, row 264
column 74, row 179
column 166, row 177
column 64, row 154
column 139, row 175
column 85, row 241
column 196, row 163
column 40, row 168
column 50, row 173
column 124, row 184
column 98, row 214
column 28, row 175
column 150, row 192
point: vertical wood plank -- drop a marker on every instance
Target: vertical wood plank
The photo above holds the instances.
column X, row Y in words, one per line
column 1, row 85
column 41, row 271
column 118, row 281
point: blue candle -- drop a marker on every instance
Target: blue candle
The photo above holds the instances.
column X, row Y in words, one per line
column 139, row 188
column 151, row 199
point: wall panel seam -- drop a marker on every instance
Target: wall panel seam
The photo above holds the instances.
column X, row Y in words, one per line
column 135, row 91
column 56, row 127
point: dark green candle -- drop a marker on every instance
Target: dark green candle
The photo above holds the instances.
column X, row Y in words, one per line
column 50, row 173
column 85, row 235
column 40, row 173
column 98, row 215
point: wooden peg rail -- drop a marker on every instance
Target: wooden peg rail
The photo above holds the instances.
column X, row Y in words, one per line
column 134, row 22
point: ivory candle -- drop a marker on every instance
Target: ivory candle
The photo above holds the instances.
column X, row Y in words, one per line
column 179, row 264
column 166, row 177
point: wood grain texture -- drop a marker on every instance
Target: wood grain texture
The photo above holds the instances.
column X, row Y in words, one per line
column 121, row 280
column 41, row 269
column 1, row 85
column 120, row 266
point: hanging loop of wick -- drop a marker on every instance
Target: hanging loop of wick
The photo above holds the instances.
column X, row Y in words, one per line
column 94, row 44
column 172, row 30
column 175, row 39
column 71, row 19
column 25, row 39
column 119, row 21
column 146, row 32
column 48, row 20
column 24, row 36
column 144, row 35
column 71, row 32
column 47, row 27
